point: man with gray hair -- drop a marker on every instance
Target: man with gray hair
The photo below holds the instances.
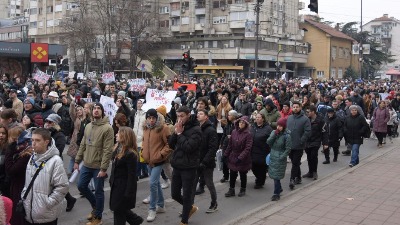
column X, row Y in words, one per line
column 229, row 127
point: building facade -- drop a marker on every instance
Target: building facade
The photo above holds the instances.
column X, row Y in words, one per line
column 330, row 52
column 385, row 31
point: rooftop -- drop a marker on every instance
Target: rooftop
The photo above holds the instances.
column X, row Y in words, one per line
column 328, row 29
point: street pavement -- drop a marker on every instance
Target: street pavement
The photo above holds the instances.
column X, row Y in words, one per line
column 341, row 195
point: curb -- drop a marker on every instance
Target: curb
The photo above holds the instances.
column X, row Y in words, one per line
column 259, row 213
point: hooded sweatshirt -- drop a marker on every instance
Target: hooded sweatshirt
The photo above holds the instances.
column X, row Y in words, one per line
column 45, row 201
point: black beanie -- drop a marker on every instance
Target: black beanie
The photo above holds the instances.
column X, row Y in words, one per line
column 102, row 108
column 151, row 112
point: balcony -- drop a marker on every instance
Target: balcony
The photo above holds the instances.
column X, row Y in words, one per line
column 175, row 28
column 236, row 24
column 175, row 13
column 201, row 11
column 199, row 26
column 33, row 31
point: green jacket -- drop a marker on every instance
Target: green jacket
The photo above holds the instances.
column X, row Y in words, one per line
column 272, row 117
column 280, row 147
column 97, row 145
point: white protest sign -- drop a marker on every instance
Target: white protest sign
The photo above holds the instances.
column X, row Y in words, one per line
column 137, row 85
column 156, row 98
column 41, row 77
column 304, row 82
column 80, row 76
column 71, row 74
column 384, row 95
column 108, row 77
column 92, row 75
column 110, row 108
column 87, row 99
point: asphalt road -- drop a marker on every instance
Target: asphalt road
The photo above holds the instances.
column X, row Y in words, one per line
column 229, row 208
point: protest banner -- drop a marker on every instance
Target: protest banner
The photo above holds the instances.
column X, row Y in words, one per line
column 80, row 76
column 156, row 98
column 384, row 95
column 92, row 75
column 71, row 74
column 87, row 99
column 304, row 82
column 41, row 77
column 190, row 87
column 110, row 108
column 138, row 85
column 108, row 77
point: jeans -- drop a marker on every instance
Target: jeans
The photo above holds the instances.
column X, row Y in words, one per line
column 312, row 159
column 207, row 176
column 96, row 200
column 260, row 172
column 141, row 167
column 71, row 165
column 156, row 194
column 243, row 179
column 295, row 156
column 126, row 215
column 355, row 148
column 277, row 187
column 184, row 180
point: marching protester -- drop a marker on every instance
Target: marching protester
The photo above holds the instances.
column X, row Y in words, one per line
column 380, row 118
column 334, row 129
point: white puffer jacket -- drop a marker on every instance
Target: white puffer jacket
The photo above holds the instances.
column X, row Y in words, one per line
column 49, row 188
column 140, row 118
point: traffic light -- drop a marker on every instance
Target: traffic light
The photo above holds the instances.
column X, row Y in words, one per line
column 192, row 63
column 313, row 6
column 186, row 61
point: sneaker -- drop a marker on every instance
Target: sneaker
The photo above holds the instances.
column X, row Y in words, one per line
column 91, row 215
column 307, row 175
column 315, row 175
column 160, row 209
column 152, row 216
column 165, row 184
column 351, row 165
column 297, row 180
column 230, row 193
column 146, row 200
column 275, row 198
column 223, row 180
column 213, row 208
column 193, row 210
column 95, row 221
column 291, row 184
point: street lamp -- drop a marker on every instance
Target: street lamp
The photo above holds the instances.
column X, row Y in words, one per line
column 257, row 9
column 104, row 53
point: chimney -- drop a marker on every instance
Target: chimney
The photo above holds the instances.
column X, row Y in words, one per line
column 386, row 15
column 337, row 27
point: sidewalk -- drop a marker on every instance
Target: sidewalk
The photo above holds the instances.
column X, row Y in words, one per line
column 367, row 194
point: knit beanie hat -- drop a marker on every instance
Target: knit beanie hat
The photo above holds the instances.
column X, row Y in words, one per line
column 163, row 110
column 54, row 118
column 30, row 101
column 151, row 112
column 282, row 122
column 178, row 100
column 102, row 108
column 122, row 93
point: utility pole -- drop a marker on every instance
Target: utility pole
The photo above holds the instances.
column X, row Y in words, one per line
column 361, row 41
column 257, row 9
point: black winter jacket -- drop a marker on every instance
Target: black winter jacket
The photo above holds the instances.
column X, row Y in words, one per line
column 59, row 139
column 334, row 129
column 229, row 127
column 209, row 145
column 317, row 136
column 186, row 154
column 66, row 122
column 354, row 127
column 300, row 129
column 260, row 148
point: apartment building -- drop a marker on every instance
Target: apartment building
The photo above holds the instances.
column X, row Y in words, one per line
column 385, row 31
column 226, row 28
column 14, row 30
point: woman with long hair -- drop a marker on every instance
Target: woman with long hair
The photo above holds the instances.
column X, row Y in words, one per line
column 223, row 109
column 123, row 180
column 16, row 160
column 77, row 115
column 4, row 181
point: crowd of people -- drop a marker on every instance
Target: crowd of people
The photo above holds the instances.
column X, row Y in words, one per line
column 256, row 125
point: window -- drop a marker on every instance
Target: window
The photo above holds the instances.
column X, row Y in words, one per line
column 58, row 8
column 218, row 4
column 215, row 44
column 164, row 23
column 185, row 5
column 334, row 54
column 164, row 10
column 40, row 24
column 49, row 23
column 340, row 73
column 333, row 72
column 341, row 53
column 185, row 20
column 219, row 19
column 175, row 22
column 200, row 19
column 200, row 4
column 238, row 1
column 33, row 11
column 49, row 9
column 33, row 25
column 175, row 6
column 347, row 53
column 238, row 16
column 320, row 73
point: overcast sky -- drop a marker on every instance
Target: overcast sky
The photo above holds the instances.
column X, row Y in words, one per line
column 350, row 10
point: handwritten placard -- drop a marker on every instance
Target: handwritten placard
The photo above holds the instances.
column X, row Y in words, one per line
column 41, row 77
column 138, row 85
column 108, row 77
column 110, row 108
column 156, row 98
